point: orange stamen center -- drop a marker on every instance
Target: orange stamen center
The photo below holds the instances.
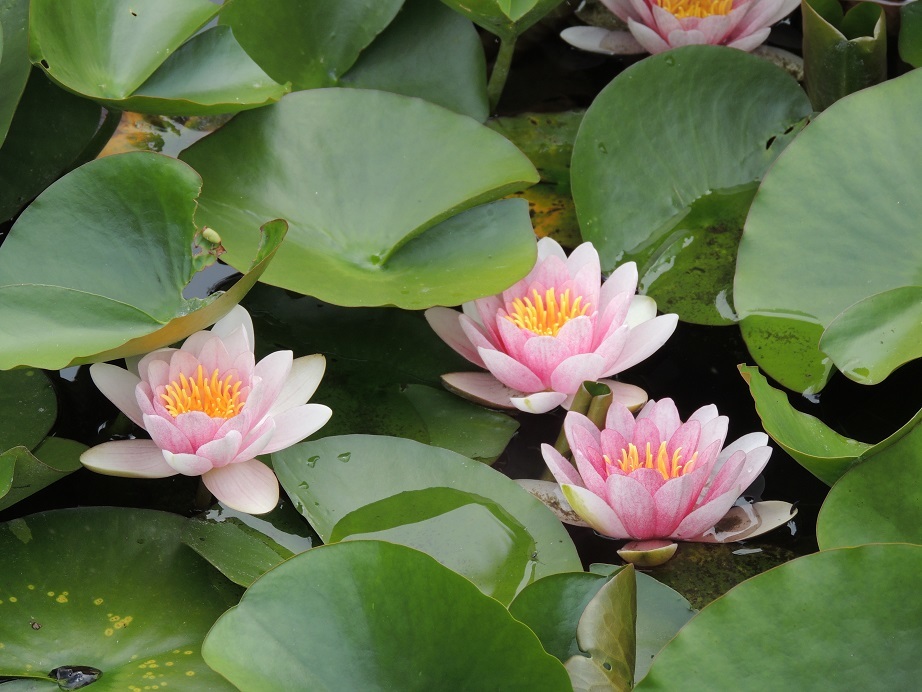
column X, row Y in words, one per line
column 219, row 398
column 681, row 9
column 545, row 315
column 669, row 468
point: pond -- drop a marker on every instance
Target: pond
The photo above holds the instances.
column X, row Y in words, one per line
column 674, row 426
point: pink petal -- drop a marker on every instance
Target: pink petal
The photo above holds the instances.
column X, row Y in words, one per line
column 685, row 37
column 118, row 385
column 129, row 458
column 571, row 373
column 163, row 356
column 645, row 339
column 685, row 440
column 295, row 424
column 198, row 427
column 613, row 442
column 167, row 436
column 646, row 433
column 188, row 464
column 255, row 441
column 574, row 421
column 595, row 39
column 247, row 486
column 481, row 387
column 182, row 362
column 561, row 469
column 619, row 418
column 593, row 476
column 594, row 511
column 539, row 402
column 548, row 247
column 676, row 498
column 634, row 506
column 196, row 342
column 576, row 335
column 214, row 356
column 269, row 378
column 302, row 382
column 222, row 451
column 647, row 37
column 511, row 372
column 664, row 415
column 543, row 354
column 445, row 322
column 611, row 319
column 725, row 478
column 749, row 42
column 705, row 517
column 238, row 317
column 512, row 338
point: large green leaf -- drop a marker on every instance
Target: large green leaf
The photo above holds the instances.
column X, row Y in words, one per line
column 371, row 184
column 828, row 228
column 389, row 385
column 875, row 336
column 427, row 51
column 49, row 131
column 878, row 501
column 843, row 52
column 779, row 626
column 663, row 167
column 310, row 43
column 114, row 589
column 14, row 58
column 132, row 55
column 399, row 621
column 468, row 516
column 24, row 472
column 819, row 449
column 505, row 18
column 100, row 260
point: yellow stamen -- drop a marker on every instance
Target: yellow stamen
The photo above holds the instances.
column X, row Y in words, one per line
column 545, row 315
column 668, row 468
column 681, row 9
column 219, row 398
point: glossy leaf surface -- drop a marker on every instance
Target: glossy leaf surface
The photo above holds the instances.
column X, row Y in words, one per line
column 14, row 58
column 863, row 599
column 656, row 152
column 142, row 56
column 68, row 268
column 468, row 516
column 371, row 185
column 856, row 219
column 405, row 622
column 24, row 472
column 505, row 18
column 138, row 626
column 910, row 39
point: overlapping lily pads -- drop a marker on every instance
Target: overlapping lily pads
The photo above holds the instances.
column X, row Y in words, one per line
column 112, row 589
column 664, row 165
column 863, row 599
column 471, row 518
column 404, row 622
column 828, row 229
column 100, row 261
column 147, row 57
column 381, row 194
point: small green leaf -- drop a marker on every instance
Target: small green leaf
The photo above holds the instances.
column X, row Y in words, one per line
column 403, row 622
column 910, row 41
column 505, row 18
column 819, row 449
column 23, row 473
column 28, row 408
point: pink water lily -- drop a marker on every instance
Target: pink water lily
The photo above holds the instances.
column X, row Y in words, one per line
column 210, row 408
column 655, row 477
column 553, row 330
column 658, row 25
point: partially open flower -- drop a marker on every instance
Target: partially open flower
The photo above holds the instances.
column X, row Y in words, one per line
column 210, row 409
column 656, row 477
column 658, row 25
column 553, row 330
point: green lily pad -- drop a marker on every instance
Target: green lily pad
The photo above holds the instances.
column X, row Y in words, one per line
column 864, row 599
column 28, row 408
column 664, row 163
column 468, row 516
column 24, row 472
column 310, row 44
column 843, row 51
column 114, row 589
column 819, row 449
column 878, row 501
column 50, row 130
column 875, row 336
column 244, row 547
column 147, row 57
column 14, row 58
column 114, row 288
column 430, row 52
column 371, row 185
column 505, row 18
column 846, row 174
column 389, row 385
column 607, row 632
column 405, row 622
column 910, row 39
column 546, row 138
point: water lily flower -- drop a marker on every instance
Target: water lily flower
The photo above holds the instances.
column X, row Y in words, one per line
column 210, row 408
column 655, row 477
column 658, row 25
column 553, row 330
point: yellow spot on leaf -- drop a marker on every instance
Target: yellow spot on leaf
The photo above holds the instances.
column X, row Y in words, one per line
column 97, row 601
column 13, row 599
column 62, row 598
column 109, row 631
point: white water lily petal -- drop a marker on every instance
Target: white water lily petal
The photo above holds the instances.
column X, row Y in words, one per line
column 128, row 458
column 118, row 385
column 247, row 486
